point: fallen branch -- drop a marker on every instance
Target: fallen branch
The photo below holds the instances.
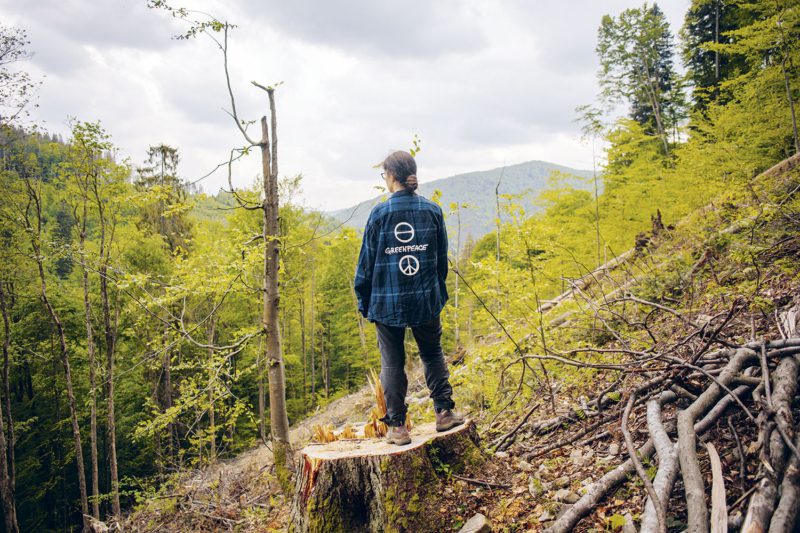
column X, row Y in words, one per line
column 762, row 504
column 637, row 464
column 719, row 509
column 504, row 442
column 740, row 452
column 687, row 441
column 489, row 484
column 569, row 440
column 705, row 402
column 597, row 491
column 785, row 518
column 667, row 464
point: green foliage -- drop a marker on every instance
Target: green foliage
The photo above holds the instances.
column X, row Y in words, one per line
column 416, row 146
column 186, row 271
column 162, row 198
column 636, row 54
column 615, row 522
column 710, row 22
column 17, row 88
column 191, row 311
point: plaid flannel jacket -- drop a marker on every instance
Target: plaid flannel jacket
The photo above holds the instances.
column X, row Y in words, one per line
column 402, row 266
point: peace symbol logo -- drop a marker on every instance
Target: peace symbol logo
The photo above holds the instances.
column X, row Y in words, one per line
column 404, row 232
column 409, row 265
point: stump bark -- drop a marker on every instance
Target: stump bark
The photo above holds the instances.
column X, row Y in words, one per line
column 371, row 485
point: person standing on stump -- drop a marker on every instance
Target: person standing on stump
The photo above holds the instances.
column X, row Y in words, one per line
column 399, row 283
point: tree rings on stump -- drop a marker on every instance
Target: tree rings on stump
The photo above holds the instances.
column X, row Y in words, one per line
column 372, row 485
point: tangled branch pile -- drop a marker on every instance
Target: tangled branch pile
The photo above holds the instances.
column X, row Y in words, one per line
column 679, row 405
column 699, row 378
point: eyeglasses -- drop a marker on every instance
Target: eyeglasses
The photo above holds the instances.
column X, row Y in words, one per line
column 383, row 175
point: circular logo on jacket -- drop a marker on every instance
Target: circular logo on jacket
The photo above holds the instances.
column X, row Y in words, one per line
column 404, row 232
column 409, row 265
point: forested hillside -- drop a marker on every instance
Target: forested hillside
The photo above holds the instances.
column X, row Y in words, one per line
column 156, row 339
column 466, row 196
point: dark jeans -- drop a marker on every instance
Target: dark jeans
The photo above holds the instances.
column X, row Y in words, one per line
column 393, row 374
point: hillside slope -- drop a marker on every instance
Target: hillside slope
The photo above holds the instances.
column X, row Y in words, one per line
column 475, row 188
column 648, row 332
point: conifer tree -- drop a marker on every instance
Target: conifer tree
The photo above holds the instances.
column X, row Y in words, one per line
column 635, row 51
column 710, row 21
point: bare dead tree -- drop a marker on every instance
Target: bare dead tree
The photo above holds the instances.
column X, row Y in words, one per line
column 217, row 30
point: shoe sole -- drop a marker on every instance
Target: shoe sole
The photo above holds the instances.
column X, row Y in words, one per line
column 451, row 426
column 399, row 442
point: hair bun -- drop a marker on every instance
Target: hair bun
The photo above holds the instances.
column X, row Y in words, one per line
column 411, row 182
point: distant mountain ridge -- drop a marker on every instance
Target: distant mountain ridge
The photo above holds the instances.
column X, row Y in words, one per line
column 478, row 190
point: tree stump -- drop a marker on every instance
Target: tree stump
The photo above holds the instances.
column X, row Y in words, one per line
column 371, row 485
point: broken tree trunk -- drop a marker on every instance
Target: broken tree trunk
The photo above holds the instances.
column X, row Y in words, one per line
column 371, row 485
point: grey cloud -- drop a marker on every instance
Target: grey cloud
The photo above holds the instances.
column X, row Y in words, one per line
column 477, row 102
column 199, row 97
column 566, row 32
column 415, row 28
column 115, row 23
column 52, row 52
column 59, row 31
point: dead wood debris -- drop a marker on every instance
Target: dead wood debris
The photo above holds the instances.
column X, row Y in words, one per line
column 757, row 380
column 661, row 404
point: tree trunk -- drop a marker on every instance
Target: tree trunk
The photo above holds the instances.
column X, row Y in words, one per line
column 111, row 339
column 458, row 266
column 303, row 345
column 360, row 320
column 90, row 347
column 371, row 485
column 279, row 420
column 326, row 357
column 6, row 482
column 35, row 233
column 791, row 107
column 497, row 213
column 212, row 424
column 716, row 41
column 651, row 88
column 90, row 352
column 596, row 204
column 322, row 361
column 262, row 402
column 73, row 409
column 166, row 365
column 313, row 335
column 56, row 478
column 470, row 333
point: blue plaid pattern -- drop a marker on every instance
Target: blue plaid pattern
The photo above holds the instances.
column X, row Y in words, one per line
column 402, row 266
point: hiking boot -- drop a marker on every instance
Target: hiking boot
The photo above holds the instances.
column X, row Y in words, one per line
column 398, row 435
column 448, row 419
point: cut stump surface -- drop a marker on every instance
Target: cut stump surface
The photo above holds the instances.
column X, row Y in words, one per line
column 372, row 485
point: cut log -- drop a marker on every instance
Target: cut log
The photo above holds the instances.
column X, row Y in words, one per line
column 371, row 485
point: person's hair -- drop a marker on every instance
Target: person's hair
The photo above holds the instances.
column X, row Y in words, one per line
column 402, row 166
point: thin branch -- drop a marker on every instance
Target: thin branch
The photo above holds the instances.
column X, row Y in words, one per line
column 637, row 464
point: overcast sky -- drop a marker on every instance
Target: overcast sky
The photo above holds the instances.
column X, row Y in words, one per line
column 480, row 82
